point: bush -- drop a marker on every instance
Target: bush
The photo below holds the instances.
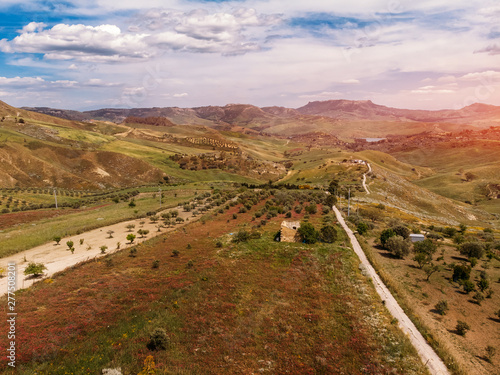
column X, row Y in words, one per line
column 158, row 340
column 133, row 252
column 362, row 228
column 472, row 249
column 57, row 239
column 478, row 298
column 328, row 234
column 241, row 236
column 442, row 307
column 311, row 209
column 308, row 233
column 402, row 231
column 156, row 263
column 461, row 272
column 462, row 328
column 35, row 269
column 398, row 246
column 468, row 286
column 385, row 235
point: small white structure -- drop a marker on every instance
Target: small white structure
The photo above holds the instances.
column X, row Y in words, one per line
column 417, row 237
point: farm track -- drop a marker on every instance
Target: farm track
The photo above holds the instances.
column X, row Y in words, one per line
column 426, row 353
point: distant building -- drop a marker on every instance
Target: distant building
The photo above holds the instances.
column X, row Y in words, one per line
column 288, row 231
column 417, row 237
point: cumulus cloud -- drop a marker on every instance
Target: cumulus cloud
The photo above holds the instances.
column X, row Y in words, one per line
column 154, row 31
column 80, row 42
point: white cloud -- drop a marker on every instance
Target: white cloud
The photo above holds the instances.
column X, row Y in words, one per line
column 489, row 75
column 351, row 81
column 184, row 94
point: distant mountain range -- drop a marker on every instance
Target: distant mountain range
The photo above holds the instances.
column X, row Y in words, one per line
column 479, row 115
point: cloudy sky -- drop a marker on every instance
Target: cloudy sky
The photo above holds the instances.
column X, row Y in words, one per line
column 427, row 54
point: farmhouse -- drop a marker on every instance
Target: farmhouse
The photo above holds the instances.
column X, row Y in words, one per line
column 288, row 231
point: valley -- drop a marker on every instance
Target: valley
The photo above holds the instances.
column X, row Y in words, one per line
column 211, row 186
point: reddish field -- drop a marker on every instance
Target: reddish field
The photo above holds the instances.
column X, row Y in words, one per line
column 237, row 309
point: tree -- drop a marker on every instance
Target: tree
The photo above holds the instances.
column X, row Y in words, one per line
column 132, row 203
column 422, row 259
column 131, row 237
column 103, row 249
column 35, row 269
column 398, row 246
column 328, row 234
column 426, row 246
column 142, row 232
column 130, row 227
column 110, row 233
column 69, row 244
column 362, row 228
column 308, row 233
column 462, row 328
column 429, row 269
column 331, row 200
column 57, row 239
column 402, row 231
column 472, row 249
column 442, row 307
column 461, row 272
column 385, row 235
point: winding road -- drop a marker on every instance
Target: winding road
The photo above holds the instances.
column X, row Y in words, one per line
column 426, row 353
column 364, row 177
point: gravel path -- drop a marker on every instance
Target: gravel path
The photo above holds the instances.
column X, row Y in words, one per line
column 427, row 354
column 364, row 177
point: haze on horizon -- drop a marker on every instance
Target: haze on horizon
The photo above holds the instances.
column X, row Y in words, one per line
column 102, row 53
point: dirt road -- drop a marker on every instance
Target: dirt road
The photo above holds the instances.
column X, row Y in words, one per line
column 58, row 257
column 364, row 177
column 427, row 354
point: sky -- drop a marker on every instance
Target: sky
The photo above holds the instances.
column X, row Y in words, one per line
column 82, row 55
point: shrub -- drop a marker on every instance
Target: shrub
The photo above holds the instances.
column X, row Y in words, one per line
column 478, row 298
column 131, row 237
column 461, row 272
column 398, row 246
column 158, row 340
column 103, row 249
column 402, row 231
column 308, row 233
column 156, row 263
column 69, row 244
column 483, row 284
column 468, row 286
column 34, row 269
column 462, row 328
column 311, row 209
column 241, row 236
column 328, row 234
column 175, row 253
column 219, row 244
column 385, row 235
column 472, row 249
column 490, row 352
column 442, row 307
column 362, row 228
column 57, row 239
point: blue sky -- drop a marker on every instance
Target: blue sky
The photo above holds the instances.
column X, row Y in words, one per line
column 103, row 53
